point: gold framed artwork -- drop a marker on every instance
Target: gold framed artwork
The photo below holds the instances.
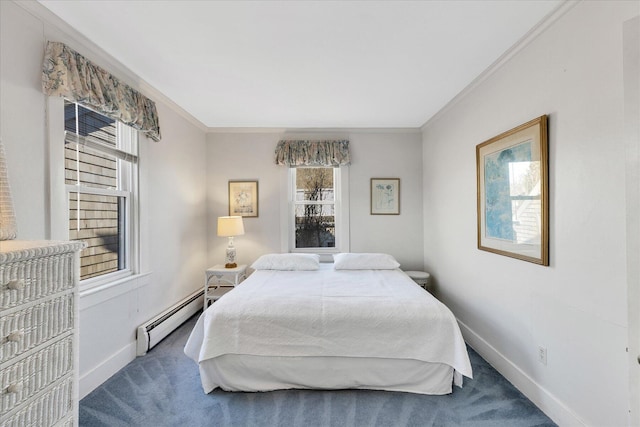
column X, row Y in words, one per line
column 243, row 198
column 385, row 196
column 513, row 193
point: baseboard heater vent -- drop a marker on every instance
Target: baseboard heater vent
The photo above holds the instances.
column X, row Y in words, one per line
column 153, row 331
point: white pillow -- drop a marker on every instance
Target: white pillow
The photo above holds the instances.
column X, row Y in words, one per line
column 362, row 261
column 287, row 262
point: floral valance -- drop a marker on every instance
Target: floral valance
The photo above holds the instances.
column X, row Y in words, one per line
column 313, row 153
column 67, row 73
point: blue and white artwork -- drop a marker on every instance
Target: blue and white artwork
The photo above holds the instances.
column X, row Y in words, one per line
column 512, row 193
column 513, row 213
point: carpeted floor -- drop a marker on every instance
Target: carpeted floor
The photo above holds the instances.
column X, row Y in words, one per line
column 163, row 389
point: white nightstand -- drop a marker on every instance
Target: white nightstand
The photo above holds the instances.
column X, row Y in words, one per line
column 421, row 278
column 220, row 280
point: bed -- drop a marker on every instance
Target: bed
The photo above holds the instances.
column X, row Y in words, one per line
column 329, row 328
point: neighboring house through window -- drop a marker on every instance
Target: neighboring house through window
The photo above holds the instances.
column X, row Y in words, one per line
column 100, row 176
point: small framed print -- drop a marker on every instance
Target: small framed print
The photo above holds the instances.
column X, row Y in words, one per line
column 385, row 196
column 243, row 198
column 513, row 195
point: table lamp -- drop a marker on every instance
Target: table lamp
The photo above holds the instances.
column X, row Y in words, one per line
column 230, row 226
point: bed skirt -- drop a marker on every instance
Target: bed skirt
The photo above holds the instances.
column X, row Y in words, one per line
column 265, row 373
column 241, row 372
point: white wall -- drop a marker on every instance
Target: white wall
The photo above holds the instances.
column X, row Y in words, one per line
column 385, row 154
column 576, row 307
column 172, row 183
column 632, row 132
column 22, row 126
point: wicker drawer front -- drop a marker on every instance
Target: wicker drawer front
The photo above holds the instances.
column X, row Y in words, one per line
column 27, row 280
column 67, row 422
column 25, row 329
column 46, row 410
column 32, row 374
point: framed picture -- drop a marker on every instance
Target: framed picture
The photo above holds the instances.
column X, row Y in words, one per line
column 513, row 195
column 385, row 196
column 243, row 198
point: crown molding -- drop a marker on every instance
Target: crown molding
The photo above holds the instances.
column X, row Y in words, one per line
column 78, row 41
column 54, row 26
column 523, row 42
column 284, row 130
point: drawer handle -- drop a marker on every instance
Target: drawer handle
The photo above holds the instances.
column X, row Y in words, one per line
column 15, row 336
column 15, row 388
column 16, row 284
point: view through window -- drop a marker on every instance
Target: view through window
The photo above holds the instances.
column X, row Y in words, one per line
column 98, row 179
column 315, row 207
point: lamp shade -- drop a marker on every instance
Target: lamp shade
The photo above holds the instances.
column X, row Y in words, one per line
column 229, row 226
column 7, row 215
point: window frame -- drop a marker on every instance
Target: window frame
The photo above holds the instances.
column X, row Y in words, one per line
column 341, row 211
column 58, row 227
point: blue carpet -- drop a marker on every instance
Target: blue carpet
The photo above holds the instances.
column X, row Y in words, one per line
column 163, row 389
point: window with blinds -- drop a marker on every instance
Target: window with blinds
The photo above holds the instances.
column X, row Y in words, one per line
column 100, row 161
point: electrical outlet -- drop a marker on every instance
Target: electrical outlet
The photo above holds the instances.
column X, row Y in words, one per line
column 542, row 355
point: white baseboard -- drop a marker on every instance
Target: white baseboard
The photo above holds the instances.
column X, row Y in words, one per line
column 544, row 400
column 92, row 379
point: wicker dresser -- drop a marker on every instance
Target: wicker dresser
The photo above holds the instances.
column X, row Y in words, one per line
column 38, row 333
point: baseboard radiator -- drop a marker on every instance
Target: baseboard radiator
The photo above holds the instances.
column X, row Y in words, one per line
column 152, row 332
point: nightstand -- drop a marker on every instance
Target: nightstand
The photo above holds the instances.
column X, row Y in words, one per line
column 220, row 280
column 421, row 278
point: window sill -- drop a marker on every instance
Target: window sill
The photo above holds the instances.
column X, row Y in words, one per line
column 326, row 254
column 316, row 250
column 105, row 279
column 103, row 291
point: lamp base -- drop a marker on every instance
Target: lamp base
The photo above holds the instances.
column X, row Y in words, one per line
column 230, row 260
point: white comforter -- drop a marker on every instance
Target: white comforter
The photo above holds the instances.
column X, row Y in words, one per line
column 364, row 313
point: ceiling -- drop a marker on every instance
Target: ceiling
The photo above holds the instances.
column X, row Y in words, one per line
column 306, row 64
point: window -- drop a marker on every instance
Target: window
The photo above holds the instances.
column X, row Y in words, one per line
column 315, row 209
column 317, row 221
column 100, row 177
